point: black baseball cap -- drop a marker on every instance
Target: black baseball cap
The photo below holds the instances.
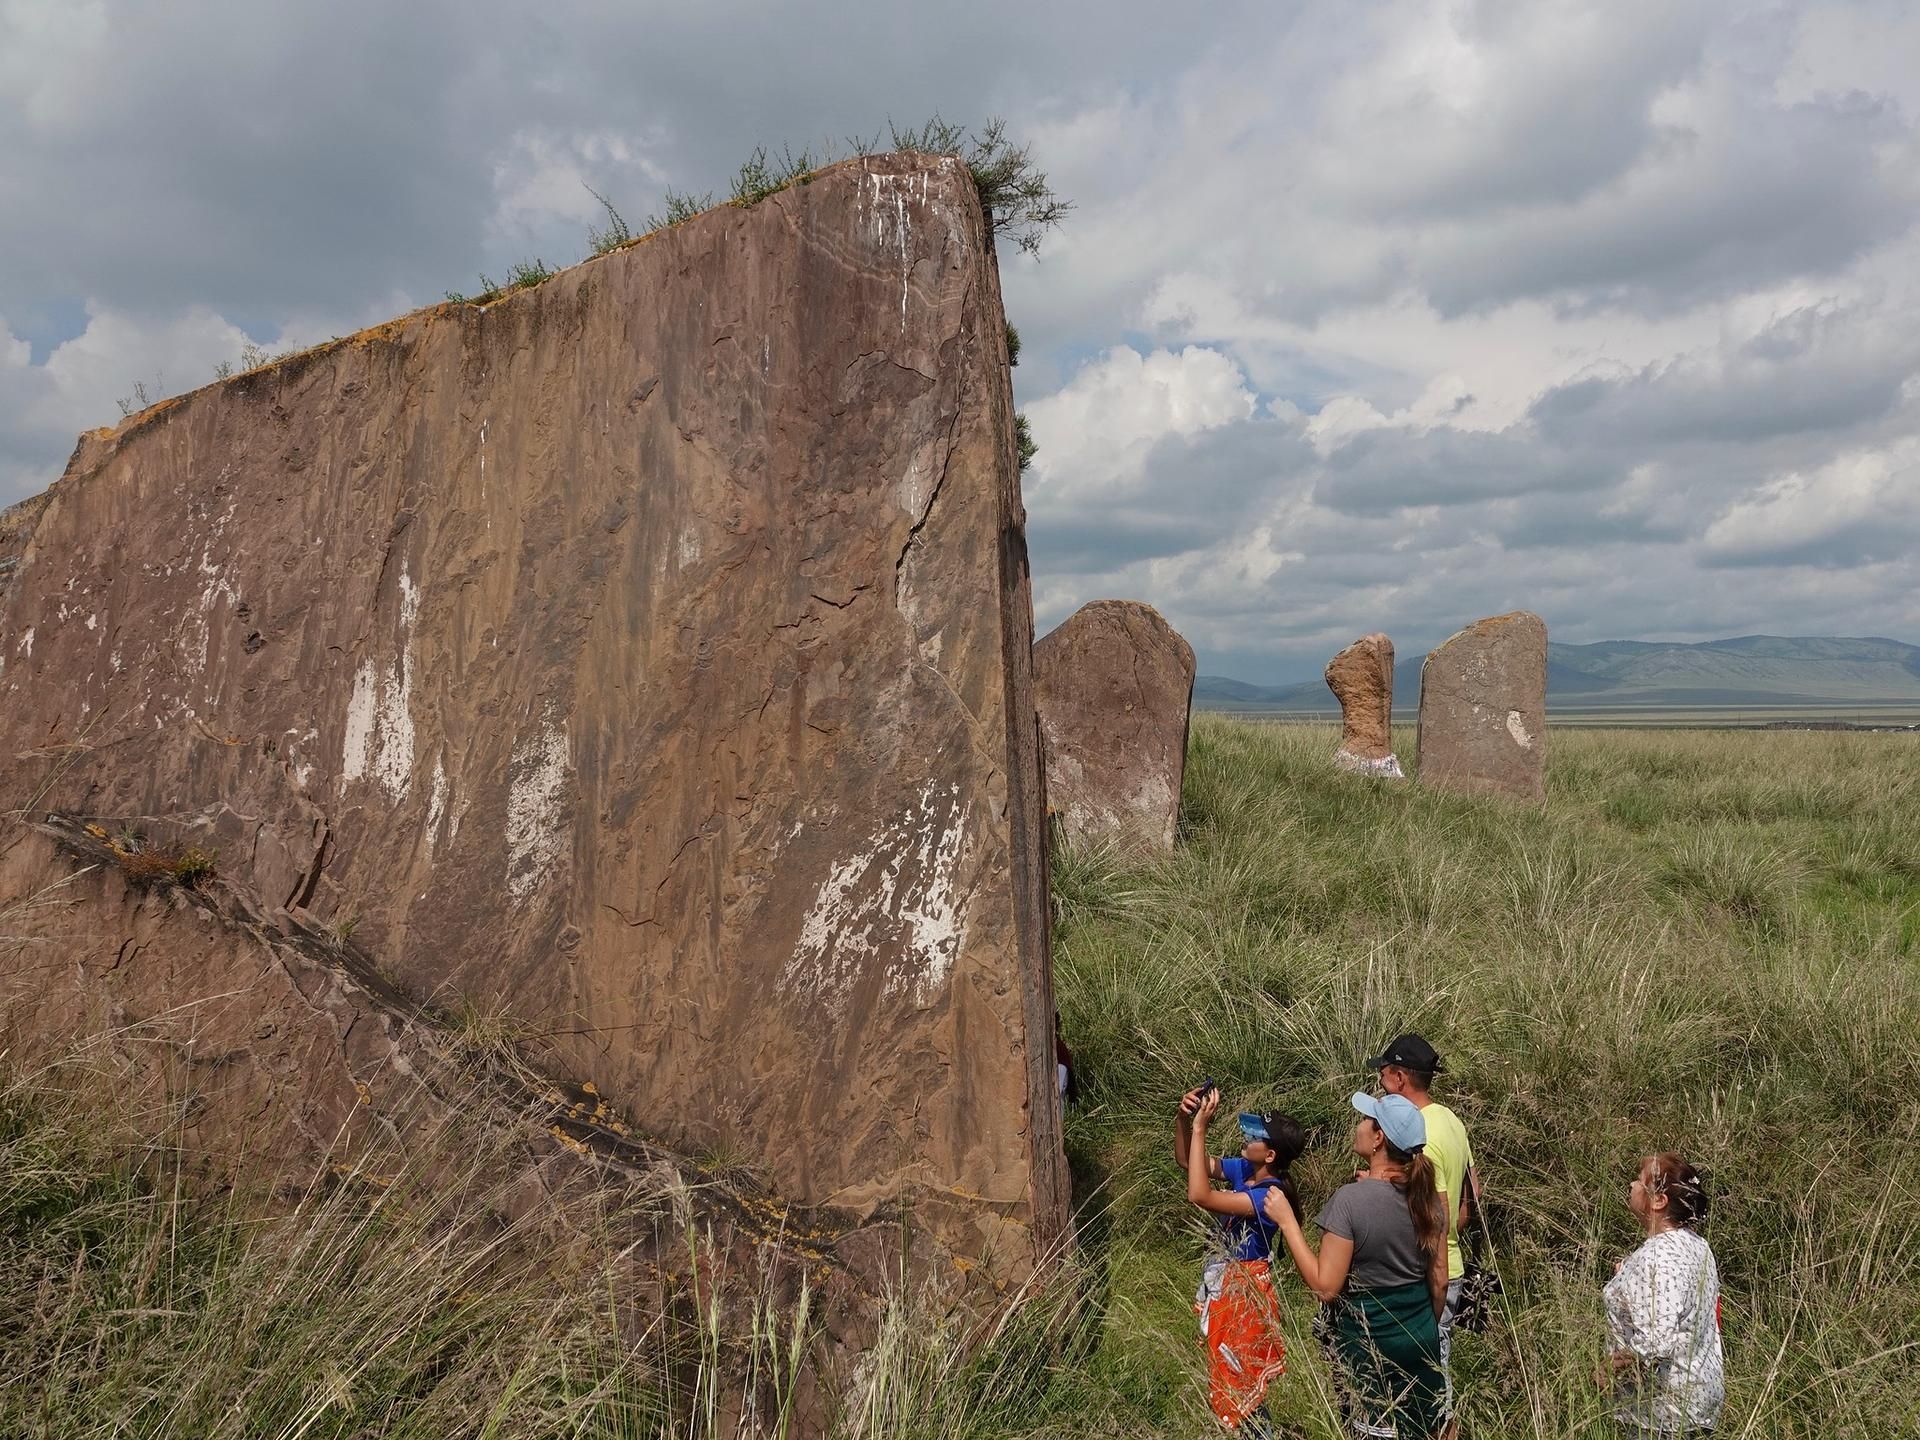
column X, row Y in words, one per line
column 1409, row 1052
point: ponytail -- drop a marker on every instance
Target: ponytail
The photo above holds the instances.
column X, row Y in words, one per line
column 1286, row 1137
column 1424, row 1203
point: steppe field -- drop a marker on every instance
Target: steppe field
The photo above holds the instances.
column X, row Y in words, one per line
column 1708, row 940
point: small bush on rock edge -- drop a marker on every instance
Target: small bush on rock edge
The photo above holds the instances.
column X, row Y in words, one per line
column 172, row 863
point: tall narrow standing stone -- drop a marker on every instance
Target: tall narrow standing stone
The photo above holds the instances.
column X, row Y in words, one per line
column 1483, row 709
column 1361, row 678
column 1114, row 686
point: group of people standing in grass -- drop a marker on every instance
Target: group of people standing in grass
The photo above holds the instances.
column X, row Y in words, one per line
column 1394, row 1281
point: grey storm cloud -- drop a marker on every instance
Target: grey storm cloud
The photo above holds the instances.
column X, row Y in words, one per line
column 266, row 158
column 1770, row 192
column 1819, row 368
column 1394, row 469
column 1606, row 307
column 1190, row 491
column 1538, row 139
column 1554, row 522
column 1866, row 541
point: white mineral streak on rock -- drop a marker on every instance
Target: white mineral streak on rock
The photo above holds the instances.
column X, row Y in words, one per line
column 26, row 642
column 934, row 911
column 916, row 485
column 379, row 732
column 828, row 958
column 536, row 808
column 896, row 906
column 886, row 198
column 436, row 803
column 1517, row 728
column 357, row 752
column 217, row 587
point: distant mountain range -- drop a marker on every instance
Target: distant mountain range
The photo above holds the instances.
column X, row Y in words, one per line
column 1758, row 670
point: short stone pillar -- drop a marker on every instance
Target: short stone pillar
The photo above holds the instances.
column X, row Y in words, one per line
column 1483, row 709
column 1361, row 678
column 1114, row 688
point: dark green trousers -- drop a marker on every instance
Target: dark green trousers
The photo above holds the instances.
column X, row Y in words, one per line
column 1387, row 1345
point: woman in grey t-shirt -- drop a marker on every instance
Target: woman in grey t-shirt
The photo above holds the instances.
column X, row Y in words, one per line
column 1382, row 1265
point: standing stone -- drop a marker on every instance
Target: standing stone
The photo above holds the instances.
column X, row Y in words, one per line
column 645, row 657
column 1483, row 709
column 1361, row 678
column 1114, row 683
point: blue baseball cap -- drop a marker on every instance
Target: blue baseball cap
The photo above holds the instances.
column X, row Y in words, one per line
column 1254, row 1127
column 1399, row 1118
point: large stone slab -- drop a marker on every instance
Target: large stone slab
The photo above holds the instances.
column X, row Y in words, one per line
column 1361, row 678
column 1483, row 709
column 1115, row 687
column 645, row 657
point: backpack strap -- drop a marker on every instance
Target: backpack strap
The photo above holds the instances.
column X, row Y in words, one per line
column 1251, row 1188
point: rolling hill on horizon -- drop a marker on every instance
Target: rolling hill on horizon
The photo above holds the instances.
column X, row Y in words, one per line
column 1755, row 670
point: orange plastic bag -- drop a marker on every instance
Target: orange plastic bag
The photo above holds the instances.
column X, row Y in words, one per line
column 1244, row 1349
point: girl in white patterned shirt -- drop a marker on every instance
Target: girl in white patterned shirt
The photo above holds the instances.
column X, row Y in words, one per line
column 1663, row 1310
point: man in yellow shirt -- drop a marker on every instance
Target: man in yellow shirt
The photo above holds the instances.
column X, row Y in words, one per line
column 1407, row 1067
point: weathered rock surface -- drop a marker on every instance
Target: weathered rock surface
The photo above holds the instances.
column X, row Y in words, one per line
column 1115, row 687
column 645, row 656
column 16, row 529
column 1361, row 678
column 1483, row 709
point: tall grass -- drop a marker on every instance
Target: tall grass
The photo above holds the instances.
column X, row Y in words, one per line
column 1709, row 941
column 1706, row 941
column 446, row 1287
column 417, row 1292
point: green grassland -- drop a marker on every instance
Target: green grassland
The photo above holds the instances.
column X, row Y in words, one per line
column 1706, row 940
column 1571, row 714
column 1867, row 714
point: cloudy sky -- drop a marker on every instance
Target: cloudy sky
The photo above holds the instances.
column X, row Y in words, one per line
column 1370, row 315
